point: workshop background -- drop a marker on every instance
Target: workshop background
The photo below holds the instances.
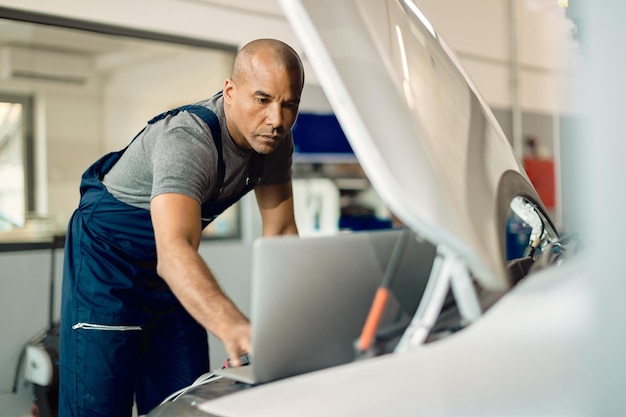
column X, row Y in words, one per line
column 121, row 62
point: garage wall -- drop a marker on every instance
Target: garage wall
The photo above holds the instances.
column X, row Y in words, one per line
column 535, row 92
column 479, row 32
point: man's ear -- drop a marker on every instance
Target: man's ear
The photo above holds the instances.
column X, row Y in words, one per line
column 227, row 91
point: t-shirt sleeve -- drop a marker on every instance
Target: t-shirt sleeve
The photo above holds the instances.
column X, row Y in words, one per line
column 183, row 162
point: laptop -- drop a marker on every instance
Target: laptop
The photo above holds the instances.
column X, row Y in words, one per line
column 311, row 296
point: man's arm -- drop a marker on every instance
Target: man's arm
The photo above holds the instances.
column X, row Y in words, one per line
column 177, row 230
column 276, row 205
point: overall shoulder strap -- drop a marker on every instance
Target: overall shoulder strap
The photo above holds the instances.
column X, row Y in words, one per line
column 210, row 118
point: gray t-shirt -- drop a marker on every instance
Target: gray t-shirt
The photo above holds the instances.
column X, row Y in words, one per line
column 177, row 155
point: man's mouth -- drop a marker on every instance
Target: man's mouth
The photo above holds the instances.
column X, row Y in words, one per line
column 271, row 138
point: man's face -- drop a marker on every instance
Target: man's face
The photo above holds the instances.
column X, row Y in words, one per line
column 262, row 107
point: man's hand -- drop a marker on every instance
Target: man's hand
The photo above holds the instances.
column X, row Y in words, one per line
column 237, row 341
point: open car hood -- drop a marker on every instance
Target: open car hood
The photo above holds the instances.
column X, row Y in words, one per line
column 427, row 141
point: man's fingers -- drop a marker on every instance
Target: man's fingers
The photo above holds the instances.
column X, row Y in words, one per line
column 234, row 361
column 238, row 343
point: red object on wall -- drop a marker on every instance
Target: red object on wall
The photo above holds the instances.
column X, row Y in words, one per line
column 541, row 174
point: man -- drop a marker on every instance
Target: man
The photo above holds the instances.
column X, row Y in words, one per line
column 137, row 297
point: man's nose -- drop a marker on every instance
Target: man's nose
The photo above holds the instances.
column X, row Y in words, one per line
column 275, row 116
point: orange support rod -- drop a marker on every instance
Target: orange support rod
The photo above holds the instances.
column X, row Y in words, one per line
column 373, row 318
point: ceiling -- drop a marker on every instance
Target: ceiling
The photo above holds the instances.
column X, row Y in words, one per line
column 106, row 52
column 111, row 51
column 67, row 40
column 268, row 8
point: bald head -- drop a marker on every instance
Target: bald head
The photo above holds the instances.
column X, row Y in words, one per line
column 262, row 96
column 268, row 52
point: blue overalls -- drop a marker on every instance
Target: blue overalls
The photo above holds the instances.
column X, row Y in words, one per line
column 124, row 335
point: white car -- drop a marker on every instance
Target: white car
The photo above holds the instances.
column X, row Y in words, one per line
column 497, row 329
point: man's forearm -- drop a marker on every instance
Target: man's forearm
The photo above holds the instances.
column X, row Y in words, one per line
column 193, row 283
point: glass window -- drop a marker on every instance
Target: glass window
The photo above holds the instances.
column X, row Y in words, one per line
column 15, row 154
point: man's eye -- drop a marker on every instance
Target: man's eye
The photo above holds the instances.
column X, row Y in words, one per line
column 262, row 100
